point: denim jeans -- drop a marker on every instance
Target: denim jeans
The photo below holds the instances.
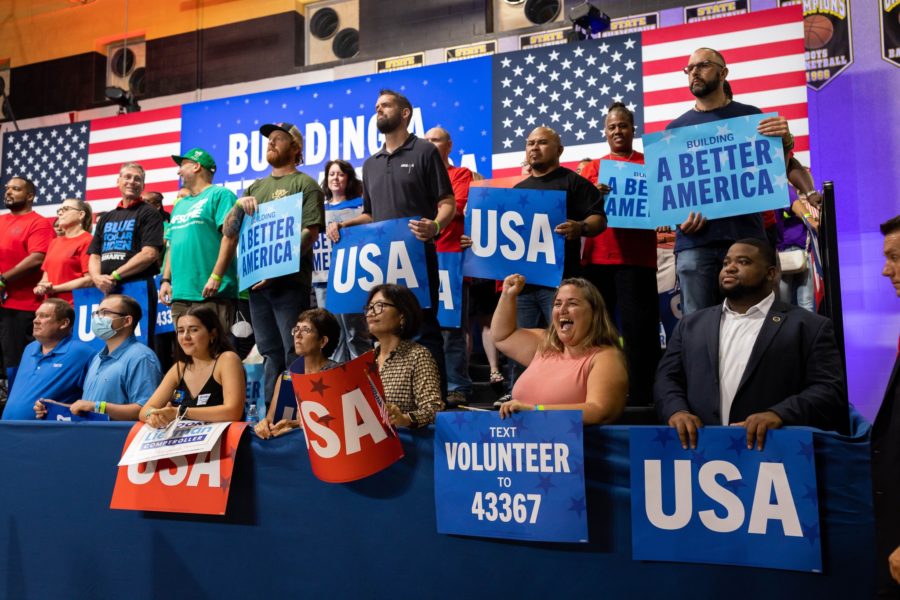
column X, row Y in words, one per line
column 698, row 274
column 273, row 311
column 355, row 339
column 534, row 308
column 797, row 288
column 430, row 332
column 456, row 351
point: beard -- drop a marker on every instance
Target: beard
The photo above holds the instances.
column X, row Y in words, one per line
column 707, row 87
column 387, row 124
column 14, row 205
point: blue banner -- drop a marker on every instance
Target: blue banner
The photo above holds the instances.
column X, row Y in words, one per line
column 322, row 246
column 369, row 255
column 337, row 119
column 627, row 206
column 512, row 232
column 164, row 322
column 269, row 245
column 87, row 300
column 256, row 394
column 449, row 312
column 61, row 412
column 520, row 478
column 286, row 402
column 723, row 503
column 721, row 169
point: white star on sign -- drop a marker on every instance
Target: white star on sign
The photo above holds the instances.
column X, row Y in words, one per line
column 593, row 123
column 591, row 81
column 567, row 105
column 629, row 43
column 592, row 102
column 566, row 84
column 604, row 48
column 632, row 107
column 543, row 108
column 517, row 71
column 542, row 88
column 554, row 55
column 780, row 181
column 580, row 134
column 519, row 111
column 629, row 65
column 507, row 122
column 519, row 132
column 565, row 64
column 579, row 114
column 529, row 58
column 667, row 136
column 529, row 79
column 530, row 99
column 591, row 60
column 506, row 62
column 555, row 117
column 616, row 56
column 617, row 78
column 568, row 126
column 518, row 91
column 507, row 103
column 629, row 87
column 541, row 67
column 620, row 164
column 579, row 93
column 617, row 98
column 604, row 69
column 554, row 76
column 749, row 138
column 554, row 96
column 604, row 89
column 578, row 51
column 531, row 120
column 506, row 82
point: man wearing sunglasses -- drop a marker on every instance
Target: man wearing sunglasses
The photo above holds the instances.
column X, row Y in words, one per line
column 701, row 244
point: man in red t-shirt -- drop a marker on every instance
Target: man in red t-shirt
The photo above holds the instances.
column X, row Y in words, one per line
column 24, row 238
column 456, row 353
column 622, row 264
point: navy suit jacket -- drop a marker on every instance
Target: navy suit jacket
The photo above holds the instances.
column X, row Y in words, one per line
column 794, row 370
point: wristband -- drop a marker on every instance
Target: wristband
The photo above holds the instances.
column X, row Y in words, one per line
column 807, row 215
column 438, row 227
column 2, row 281
column 539, row 407
column 97, row 406
column 165, row 280
column 115, row 275
column 215, row 277
column 103, row 407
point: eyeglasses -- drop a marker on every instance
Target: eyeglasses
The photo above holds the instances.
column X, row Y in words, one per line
column 702, row 65
column 304, row 330
column 376, row 308
column 105, row 312
column 63, row 209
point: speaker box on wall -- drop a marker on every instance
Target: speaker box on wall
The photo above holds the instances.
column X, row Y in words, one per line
column 332, row 29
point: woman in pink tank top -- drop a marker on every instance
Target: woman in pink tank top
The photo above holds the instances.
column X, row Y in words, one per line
column 575, row 364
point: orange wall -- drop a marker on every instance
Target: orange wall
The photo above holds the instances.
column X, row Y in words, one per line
column 39, row 30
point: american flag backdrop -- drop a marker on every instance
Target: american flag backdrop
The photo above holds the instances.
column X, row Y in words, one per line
column 82, row 160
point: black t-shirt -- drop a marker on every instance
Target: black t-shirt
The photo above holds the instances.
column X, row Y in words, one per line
column 728, row 229
column 405, row 183
column 122, row 232
column 582, row 200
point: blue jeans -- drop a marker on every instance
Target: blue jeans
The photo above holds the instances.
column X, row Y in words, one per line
column 698, row 274
column 456, row 351
column 534, row 309
column 797, row 288
column 355, row 339
column 273, row 311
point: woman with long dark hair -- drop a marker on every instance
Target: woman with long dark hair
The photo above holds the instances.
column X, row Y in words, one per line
column 206, row 383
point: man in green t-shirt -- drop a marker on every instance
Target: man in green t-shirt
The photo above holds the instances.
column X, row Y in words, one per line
column 199, row 266
column 276, row 303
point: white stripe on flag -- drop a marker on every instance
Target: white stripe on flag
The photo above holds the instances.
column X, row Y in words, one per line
column 508, row 160
column 134, row 154
column 110, row 181
column 792, row 95
column 736, row 71
column 133, row 131
column 723, row 41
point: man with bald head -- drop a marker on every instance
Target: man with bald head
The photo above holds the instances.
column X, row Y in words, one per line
column 701, row 245
column 584, row 218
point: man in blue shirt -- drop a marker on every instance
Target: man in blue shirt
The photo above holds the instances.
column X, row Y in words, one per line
column 53, row 366
column 121, row 377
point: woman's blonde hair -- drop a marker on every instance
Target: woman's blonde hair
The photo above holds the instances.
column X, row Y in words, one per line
column 603, row 331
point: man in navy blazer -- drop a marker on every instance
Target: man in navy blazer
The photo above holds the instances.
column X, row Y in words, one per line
column 751, row 361
column 886, row 446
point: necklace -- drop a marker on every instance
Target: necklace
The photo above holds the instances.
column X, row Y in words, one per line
column 705, row 110
column 630, row 156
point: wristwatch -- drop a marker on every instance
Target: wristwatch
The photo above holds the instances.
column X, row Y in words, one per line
column 165, row 280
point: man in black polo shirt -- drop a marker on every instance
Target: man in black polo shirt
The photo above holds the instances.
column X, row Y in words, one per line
column 127, row 242
column 407, row 178
column 584, row 218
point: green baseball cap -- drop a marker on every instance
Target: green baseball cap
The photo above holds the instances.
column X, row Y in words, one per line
column 199, row 156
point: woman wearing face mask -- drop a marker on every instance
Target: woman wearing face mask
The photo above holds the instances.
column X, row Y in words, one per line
column 575, row 364
column 315, row 338
column 412, row 385
column 206, row 383
column 343, row 200
column 65, row 266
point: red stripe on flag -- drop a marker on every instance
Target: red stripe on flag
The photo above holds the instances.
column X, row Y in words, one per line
column 149, row 164
column 741, row 86
column 735, row 55
column 135, row 142
column 507, row 172
column 172, row 112
column 735, row 24
column 107, row 193
column 788, row 111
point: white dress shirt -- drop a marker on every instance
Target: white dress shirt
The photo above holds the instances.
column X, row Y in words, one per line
column 737, row 335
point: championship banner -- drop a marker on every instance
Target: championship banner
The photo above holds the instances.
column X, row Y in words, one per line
column 369, row 255
column 322, row 246
column 715, row 10
column 269, row 244
column 345, row 422
column 87, row 300
column 164, row 322
column 520, row 478
column 180, row 438
column 449, row 312
column 632, row 24
column 57, row 411
column 512, row 232
column 725, row 504
column 889, row 19
column 627, row 206
column 828, row 40
column 721, row 169
column 197, row 484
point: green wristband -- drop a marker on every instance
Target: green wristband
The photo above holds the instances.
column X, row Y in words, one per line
column 115, row 275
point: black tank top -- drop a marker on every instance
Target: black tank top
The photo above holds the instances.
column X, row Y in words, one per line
column 210, row 395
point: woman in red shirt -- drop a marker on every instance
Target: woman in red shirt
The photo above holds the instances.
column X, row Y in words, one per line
column 621, row 263
column 66, row 263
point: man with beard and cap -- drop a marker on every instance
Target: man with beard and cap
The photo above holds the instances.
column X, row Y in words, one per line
column 275, row 303
column 752, row 361
column 407, row 178
column 700, row 244
column 127, row 243
column 24, row 238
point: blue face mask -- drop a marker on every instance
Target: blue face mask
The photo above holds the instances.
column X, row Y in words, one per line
column 102, row 327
